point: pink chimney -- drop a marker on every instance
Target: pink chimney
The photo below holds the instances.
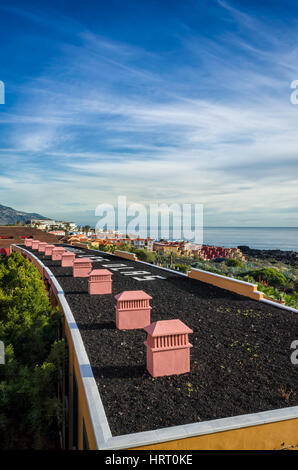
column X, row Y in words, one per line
column 48, row 250
column 132, row 310
column 168, row 348
column 28, row 241
column 100, row 282
column 82, row 267
column 67, row 259
column 35, row 244
column 42, row 246
column 57, row 253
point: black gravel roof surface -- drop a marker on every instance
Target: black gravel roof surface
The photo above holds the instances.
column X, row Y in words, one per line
column 240, row 359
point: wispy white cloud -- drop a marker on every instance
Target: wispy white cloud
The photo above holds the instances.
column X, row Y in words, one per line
column 107, row 118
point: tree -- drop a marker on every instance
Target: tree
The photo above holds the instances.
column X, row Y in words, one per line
column 271, row 275
column 182, row 267
column 124, row 247
column 234, row 262
column 144, row 255
column 67, row 228
column 107, row 248
column 29, row 404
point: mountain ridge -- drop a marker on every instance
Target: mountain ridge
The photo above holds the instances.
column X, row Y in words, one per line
column 8, row 215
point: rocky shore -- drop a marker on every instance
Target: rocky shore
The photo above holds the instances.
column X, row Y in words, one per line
column 287, row 257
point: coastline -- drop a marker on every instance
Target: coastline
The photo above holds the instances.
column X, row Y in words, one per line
column 284, row 256
column 257, row 238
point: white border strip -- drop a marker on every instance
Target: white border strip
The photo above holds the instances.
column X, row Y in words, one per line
column 199, row 429
column 278, row 305
column 97, row 414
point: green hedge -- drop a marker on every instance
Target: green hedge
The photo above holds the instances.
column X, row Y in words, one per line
column 270, row 275
column 30, row 409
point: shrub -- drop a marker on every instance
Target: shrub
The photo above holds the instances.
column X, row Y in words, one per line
column 270, row 275
column 107, row 248
column 182, row 267
column 124, row 247
column 144, row 255
column 233, row 262
column 250, row 279
column 28, row 381
column 290, row 301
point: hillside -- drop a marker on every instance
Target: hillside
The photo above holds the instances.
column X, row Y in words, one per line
column 8, row 215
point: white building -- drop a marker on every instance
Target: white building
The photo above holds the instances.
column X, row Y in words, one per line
column 143, row 243
column 49, row 224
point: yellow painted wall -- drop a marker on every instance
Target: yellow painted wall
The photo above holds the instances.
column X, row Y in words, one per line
column 273, row 436
column 167, row 250
column 83, row 411
column 226, row 283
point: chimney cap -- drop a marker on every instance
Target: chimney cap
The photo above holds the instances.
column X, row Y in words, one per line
column 99, row 272
column 132, row 295
column 82, row 260
column 167, row 327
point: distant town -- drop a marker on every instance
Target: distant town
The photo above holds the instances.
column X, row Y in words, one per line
column 275, row 272
column 110, row 240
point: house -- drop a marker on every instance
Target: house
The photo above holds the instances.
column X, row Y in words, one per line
column 166, row 248
column 52, row 224
column 10, row 235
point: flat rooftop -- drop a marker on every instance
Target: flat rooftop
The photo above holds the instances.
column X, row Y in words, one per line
column 16, row 234
column 240, row 359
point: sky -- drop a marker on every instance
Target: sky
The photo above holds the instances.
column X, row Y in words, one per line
column 160, row 101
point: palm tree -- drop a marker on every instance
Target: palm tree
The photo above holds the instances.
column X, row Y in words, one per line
column 86, row 229
column 67, row 228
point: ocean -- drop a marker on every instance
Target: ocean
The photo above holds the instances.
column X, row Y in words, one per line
column 261, row 238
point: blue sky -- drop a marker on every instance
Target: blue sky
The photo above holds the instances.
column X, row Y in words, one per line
column 159, row 101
